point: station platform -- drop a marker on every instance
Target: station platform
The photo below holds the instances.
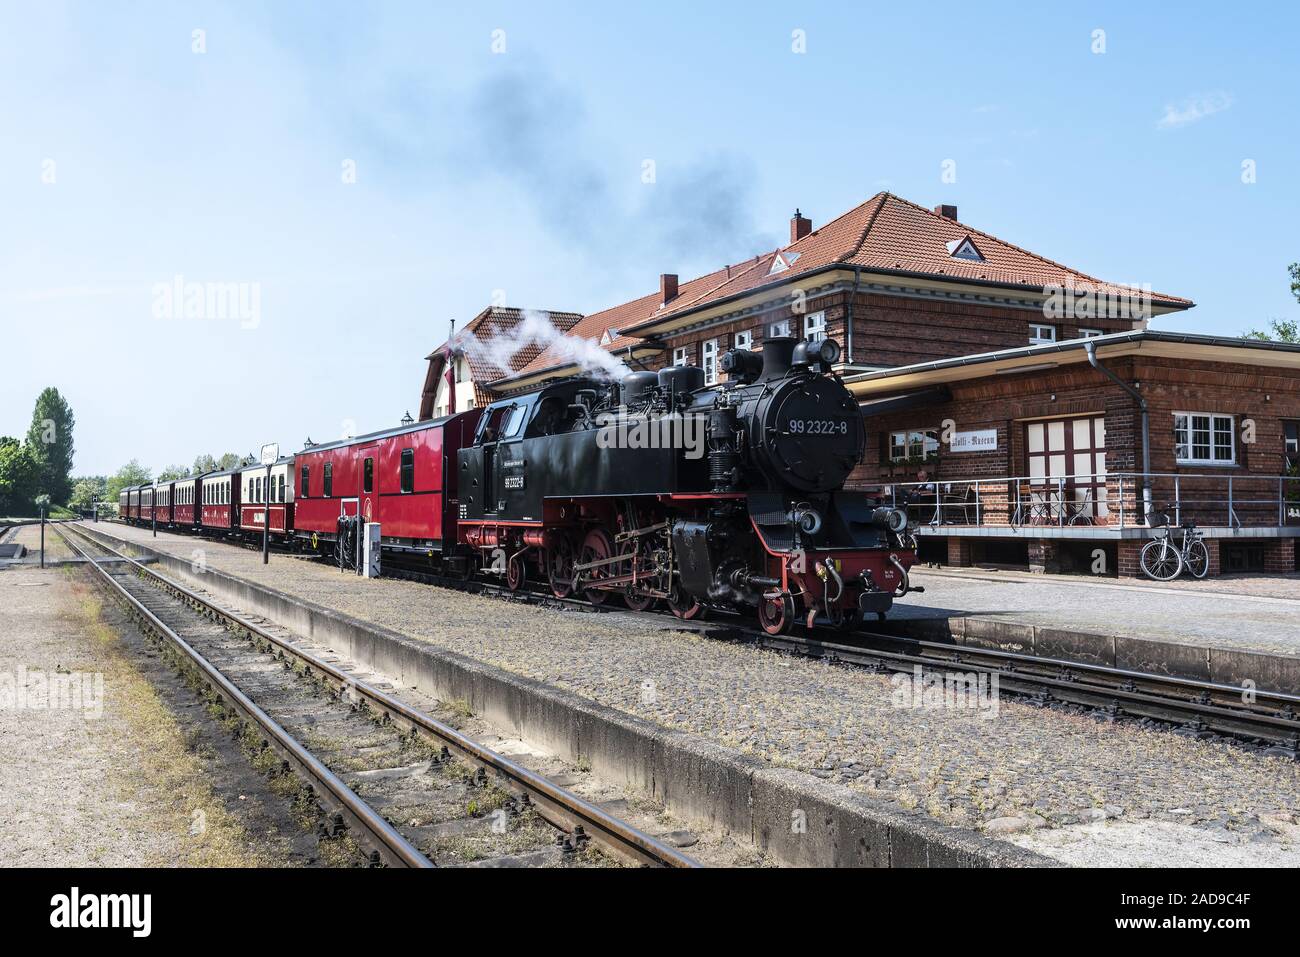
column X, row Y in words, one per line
column 1229, row 629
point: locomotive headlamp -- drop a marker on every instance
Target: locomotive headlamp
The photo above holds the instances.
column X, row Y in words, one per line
column 829, row 351
column 807, row 520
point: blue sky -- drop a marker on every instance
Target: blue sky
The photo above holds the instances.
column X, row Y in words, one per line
column 129, row 159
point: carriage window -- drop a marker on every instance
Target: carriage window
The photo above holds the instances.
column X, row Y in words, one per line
column 408, row 471
column 329, row 479
column 281, row 489
column 304, row 484
column 368, row 476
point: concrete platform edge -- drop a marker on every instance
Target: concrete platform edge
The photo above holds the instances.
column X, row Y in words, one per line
column 792, row 816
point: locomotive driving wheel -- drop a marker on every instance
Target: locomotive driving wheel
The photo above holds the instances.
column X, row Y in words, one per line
column 683, row 605
column 595, row 547
column 635, row 595
column 516, row 573
column 776, row 615
column 559, row 566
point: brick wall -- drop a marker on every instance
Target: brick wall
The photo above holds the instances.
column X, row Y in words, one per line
column 1255, row 396
column 895, row 330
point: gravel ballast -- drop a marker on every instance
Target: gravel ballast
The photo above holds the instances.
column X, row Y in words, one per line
column 1062, row 784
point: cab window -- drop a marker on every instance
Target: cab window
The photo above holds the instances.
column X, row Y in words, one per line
column 514, row 422
column 329, row 479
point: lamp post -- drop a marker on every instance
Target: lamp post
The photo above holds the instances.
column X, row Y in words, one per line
column 269, row 455
column 43, row 502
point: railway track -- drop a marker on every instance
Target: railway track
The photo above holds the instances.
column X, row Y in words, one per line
column 1264, row 720
column 394, row 785
column 1268, row 721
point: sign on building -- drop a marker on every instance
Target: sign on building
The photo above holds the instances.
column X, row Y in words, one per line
column 984, row 440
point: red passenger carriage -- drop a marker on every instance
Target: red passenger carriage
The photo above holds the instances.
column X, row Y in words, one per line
column 403, row 478
column 219, row 508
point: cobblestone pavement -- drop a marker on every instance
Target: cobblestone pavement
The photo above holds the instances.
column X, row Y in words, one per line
column 1261, row 613
column 1016, row 772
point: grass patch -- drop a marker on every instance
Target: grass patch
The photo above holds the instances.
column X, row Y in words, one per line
column 170, row 772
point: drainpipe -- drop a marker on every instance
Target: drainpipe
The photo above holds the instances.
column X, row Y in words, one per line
column 848, row 319
column 1146, row 425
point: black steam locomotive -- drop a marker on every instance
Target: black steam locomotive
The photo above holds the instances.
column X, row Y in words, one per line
column 659, row 487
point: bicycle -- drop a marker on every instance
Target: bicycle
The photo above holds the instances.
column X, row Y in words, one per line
column 1164, row 560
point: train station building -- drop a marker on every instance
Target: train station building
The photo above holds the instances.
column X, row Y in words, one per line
column 1022, row 408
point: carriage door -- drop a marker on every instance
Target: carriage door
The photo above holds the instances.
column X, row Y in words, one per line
column 1074, row 450
column 368, row 482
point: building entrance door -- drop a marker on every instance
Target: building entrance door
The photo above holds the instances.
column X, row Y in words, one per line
column 1068, row 455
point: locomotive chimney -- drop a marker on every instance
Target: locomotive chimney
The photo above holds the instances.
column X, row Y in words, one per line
column 800, row 226
column 778, row 353
column 667, row 287
column 947, row 212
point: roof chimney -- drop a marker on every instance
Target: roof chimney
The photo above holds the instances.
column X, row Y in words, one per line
column 800, row 226
column 667, row 287
column 947, row 212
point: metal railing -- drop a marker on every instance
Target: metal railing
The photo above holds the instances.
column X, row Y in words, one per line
column 1113, row 499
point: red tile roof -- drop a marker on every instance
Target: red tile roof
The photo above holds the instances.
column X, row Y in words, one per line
column 886, row 233
column 618, row 318
column 890, row 234
column 492, row 322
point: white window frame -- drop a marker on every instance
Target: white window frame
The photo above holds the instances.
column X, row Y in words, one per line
column 1036, row 337
column 912, row 443
column 779, row 330
column 682, row 356
column 1185, row 447
column 814, row 326
column 744, row 340
column 709, row 360
column 1090, row 333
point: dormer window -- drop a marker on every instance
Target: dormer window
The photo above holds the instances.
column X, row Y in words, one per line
column 608, row 336
column 965, row 249
column 783, row 261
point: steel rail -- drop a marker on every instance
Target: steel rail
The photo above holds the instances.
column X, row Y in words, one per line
column 386, row 840
column 560, row 807
column 1282, row 699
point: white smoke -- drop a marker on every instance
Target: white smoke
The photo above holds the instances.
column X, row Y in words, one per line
column 536, row 329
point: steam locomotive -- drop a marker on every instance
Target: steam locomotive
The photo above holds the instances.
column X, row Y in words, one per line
column 658, row 487
column 653, row 488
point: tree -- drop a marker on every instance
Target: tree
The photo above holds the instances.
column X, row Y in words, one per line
column 173, row 472
column 204, row 463
column 87, row 491
column 132, row 473
column 20, row 474
column 50, row 439
column 228, row 461
column 1282, row 330
column 1279, row 330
